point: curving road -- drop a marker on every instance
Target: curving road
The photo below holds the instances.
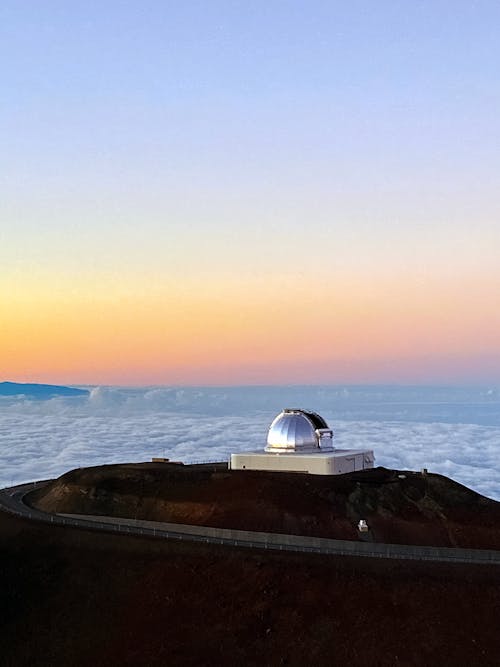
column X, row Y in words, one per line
column 12, row 502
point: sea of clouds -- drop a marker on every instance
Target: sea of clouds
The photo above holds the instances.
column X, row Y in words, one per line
column 453, row 431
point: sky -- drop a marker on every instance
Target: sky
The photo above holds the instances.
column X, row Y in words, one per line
column 249, row 193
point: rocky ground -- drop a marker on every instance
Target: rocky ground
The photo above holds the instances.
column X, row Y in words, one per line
column 79, row 598
column 73, row 597
column 400, row 506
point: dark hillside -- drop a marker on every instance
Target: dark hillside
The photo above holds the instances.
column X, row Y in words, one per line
column 400, row 506
column 72, row 597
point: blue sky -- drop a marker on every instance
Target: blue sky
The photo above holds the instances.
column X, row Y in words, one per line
column 152, row 144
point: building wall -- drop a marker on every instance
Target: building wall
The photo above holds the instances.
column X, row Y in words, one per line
column 335, row 464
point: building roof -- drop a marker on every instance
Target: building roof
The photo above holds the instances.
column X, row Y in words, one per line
column 297, row 430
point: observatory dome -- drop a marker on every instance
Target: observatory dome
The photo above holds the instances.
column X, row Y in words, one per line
column 295, row 430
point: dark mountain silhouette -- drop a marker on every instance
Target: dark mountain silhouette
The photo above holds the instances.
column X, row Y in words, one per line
column 39, row 390
column 400, row 506
column 87, row 599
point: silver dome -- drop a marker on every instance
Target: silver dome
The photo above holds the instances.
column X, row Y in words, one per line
column 295, row 430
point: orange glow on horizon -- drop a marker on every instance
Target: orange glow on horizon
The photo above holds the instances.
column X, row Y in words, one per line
column 237, row 332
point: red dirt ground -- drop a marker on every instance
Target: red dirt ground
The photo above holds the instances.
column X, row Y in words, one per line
column 400, row 506
column 73, row 597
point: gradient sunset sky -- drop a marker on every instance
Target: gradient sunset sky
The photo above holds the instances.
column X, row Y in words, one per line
column 249, row 192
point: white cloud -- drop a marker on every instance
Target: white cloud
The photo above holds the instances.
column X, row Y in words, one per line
column 46, row 438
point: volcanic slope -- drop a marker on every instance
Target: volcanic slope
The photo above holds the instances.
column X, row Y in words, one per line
column 86, row 599
column 400, row 506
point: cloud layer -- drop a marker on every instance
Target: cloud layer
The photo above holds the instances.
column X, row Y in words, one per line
column 454, row 432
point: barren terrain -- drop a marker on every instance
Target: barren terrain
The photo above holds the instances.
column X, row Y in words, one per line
column 77, row 597
column 400, row 506
column 73, row 597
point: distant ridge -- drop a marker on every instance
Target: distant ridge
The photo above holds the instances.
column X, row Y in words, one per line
column 38, row 390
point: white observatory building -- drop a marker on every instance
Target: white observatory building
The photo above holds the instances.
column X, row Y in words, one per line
column 301, row 441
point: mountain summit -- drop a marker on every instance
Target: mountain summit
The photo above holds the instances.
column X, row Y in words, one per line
column 39, row 390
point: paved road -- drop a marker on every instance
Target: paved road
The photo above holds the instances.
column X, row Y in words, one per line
column 11, row 501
